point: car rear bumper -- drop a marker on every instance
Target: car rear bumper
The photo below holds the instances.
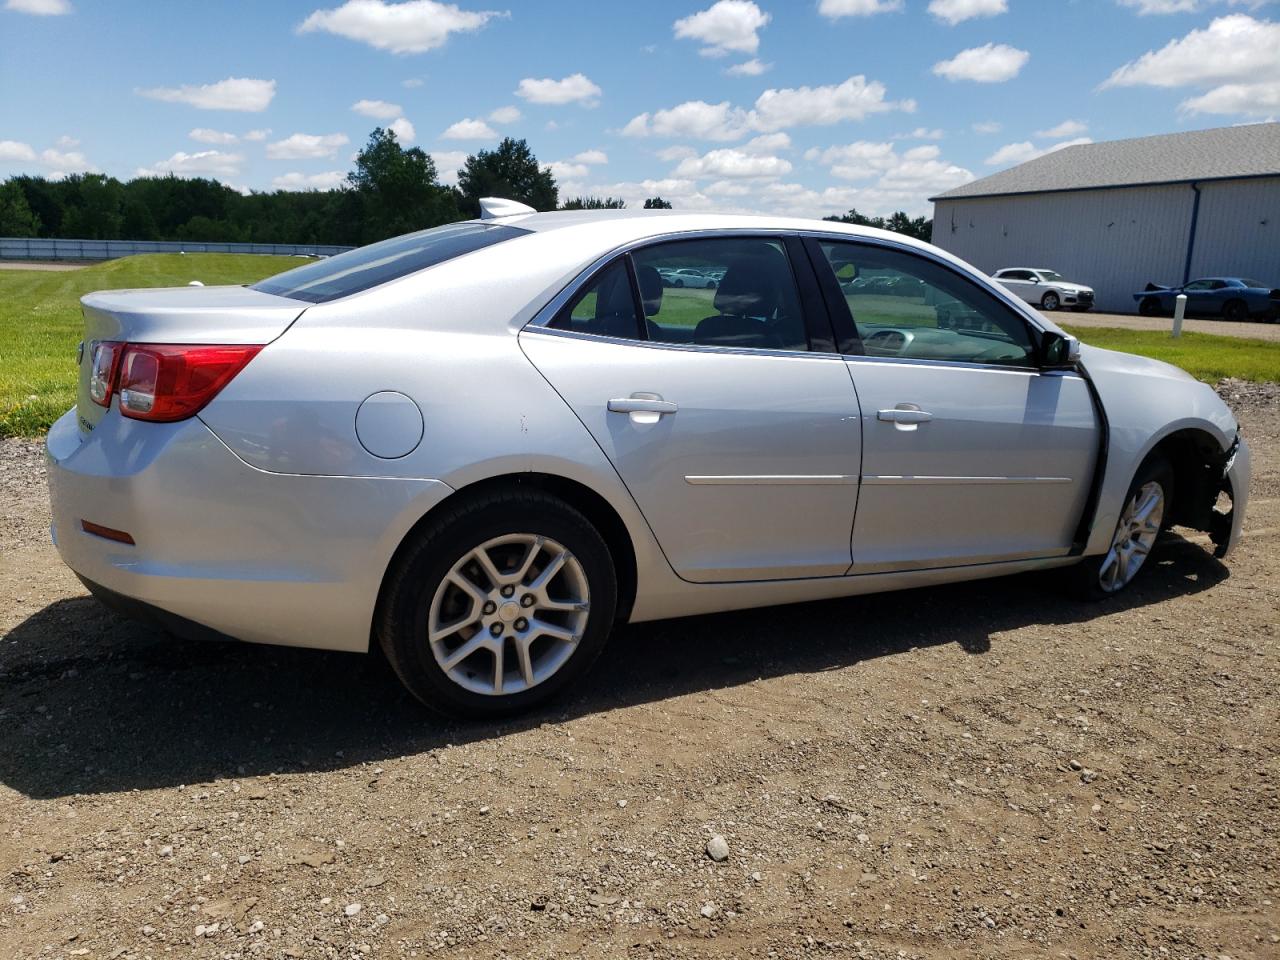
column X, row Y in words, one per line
column 229, row 548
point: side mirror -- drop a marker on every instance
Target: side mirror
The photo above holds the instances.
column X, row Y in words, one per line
column 1034, row 278
column 1059, row 351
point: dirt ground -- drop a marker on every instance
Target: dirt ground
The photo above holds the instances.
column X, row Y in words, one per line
column 986, row 770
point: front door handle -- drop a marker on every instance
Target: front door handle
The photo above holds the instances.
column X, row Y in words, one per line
column 899, row 415
column 642, row 403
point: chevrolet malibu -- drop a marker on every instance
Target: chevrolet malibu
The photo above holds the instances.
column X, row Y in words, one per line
column 482, row 446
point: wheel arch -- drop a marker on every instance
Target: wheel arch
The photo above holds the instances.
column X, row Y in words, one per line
column 591, row 504
column 1197, row 458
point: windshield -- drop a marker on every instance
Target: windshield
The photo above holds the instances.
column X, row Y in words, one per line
column 1051, row 275
column 366, row 267
column 1252, row 283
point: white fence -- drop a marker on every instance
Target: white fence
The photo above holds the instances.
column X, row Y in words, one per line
column 33, row 248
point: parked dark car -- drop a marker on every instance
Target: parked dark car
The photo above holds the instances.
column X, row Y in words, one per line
column 1232, row 298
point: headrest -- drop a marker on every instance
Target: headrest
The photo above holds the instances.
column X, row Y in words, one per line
column 753, row 285
column 650, row 289
column 731, row 331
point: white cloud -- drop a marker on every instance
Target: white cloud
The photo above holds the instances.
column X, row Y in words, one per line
column 469, row 129
column 447, row 164
column 767, row 143
column 728, row 188
column 857, row 8
column 901, row 179
column 378, row 109
column 990, row 63
column 202, row 163
column 1012, row 153
column 59, row 161
column 856, row 161
column 1235, row 57
column 694, row 118
column 67, row 142
column 255, row 135
column 855, row 99
column 956, row 11
column 205, row 135
column 403, row 130
column 751, row 68
column 1067, row 128
column 505, row 115
column 1145, row 7
column 987, row 126
column 732, row 164
column 575, row 88
column 921, row 133
column 729, row 26
column 307, row 146
column 309, row 181
column 234, row 93
column 412, row 83
column 40, row 8
column 15, row 151
column 591, row 157
column 413, row 27
column 563, row 170
column 674, row 153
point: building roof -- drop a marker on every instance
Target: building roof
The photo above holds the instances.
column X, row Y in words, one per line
column 1224, row 153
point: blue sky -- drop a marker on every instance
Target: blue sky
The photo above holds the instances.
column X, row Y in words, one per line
column 804, row 106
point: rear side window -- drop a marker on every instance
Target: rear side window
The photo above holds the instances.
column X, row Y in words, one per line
column 378, row 263
column 721, row 292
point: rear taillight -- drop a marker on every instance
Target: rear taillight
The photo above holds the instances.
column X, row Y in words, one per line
column 167, row 382
column 106, row 363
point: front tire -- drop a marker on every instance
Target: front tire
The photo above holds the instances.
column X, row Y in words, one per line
column 1150, row 307
column 1050, row 301
column 498, row 605
column 1143, row 519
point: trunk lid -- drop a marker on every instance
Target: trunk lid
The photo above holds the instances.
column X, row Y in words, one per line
column 196, row 315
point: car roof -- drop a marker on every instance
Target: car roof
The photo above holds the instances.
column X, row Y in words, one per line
column 636, row 224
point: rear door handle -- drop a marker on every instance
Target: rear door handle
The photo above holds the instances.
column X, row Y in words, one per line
column 642, row 405
column 904, row 416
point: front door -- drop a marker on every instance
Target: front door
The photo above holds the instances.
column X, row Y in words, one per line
column 971, row 453
column 739, row 443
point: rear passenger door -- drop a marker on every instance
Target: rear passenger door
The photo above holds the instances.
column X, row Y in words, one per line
column 725, row 411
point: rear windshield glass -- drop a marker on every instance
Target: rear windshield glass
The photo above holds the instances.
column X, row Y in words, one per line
column 366, row 267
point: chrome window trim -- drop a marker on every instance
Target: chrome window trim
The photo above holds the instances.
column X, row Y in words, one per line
column 686, row 347
column 556, row 303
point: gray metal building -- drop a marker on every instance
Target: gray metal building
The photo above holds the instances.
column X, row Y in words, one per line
column 1116, row 215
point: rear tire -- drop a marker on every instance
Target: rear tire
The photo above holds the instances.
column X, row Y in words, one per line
column 451, row 588
column 1143, row 520
column 1237, row 311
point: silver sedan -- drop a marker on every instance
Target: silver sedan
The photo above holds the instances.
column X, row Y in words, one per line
column 485, row 476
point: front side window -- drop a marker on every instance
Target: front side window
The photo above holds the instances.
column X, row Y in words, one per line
column 721, row 292
column 1199, row 285
column 366, row 267
column 905, row 305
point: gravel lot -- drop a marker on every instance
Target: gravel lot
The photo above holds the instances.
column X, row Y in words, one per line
column 984, row 770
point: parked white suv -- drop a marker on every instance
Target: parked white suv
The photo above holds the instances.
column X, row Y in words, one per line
column 1044, row 288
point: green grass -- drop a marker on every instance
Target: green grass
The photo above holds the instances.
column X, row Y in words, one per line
column 1205, row 356
column 40, row 322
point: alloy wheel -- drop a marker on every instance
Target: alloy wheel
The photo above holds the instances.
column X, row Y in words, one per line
column 1135, row 535
column 509, row 614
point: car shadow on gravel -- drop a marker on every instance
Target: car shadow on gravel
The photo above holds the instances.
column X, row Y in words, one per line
column 91, row 703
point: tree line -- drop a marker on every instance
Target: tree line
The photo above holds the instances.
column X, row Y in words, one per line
column 392, row 190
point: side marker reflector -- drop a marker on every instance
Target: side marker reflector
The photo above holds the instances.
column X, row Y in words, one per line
column 107, row 533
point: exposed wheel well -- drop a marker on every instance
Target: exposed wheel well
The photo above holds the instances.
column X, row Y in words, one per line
column 1197, row 462
column 582, row 498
